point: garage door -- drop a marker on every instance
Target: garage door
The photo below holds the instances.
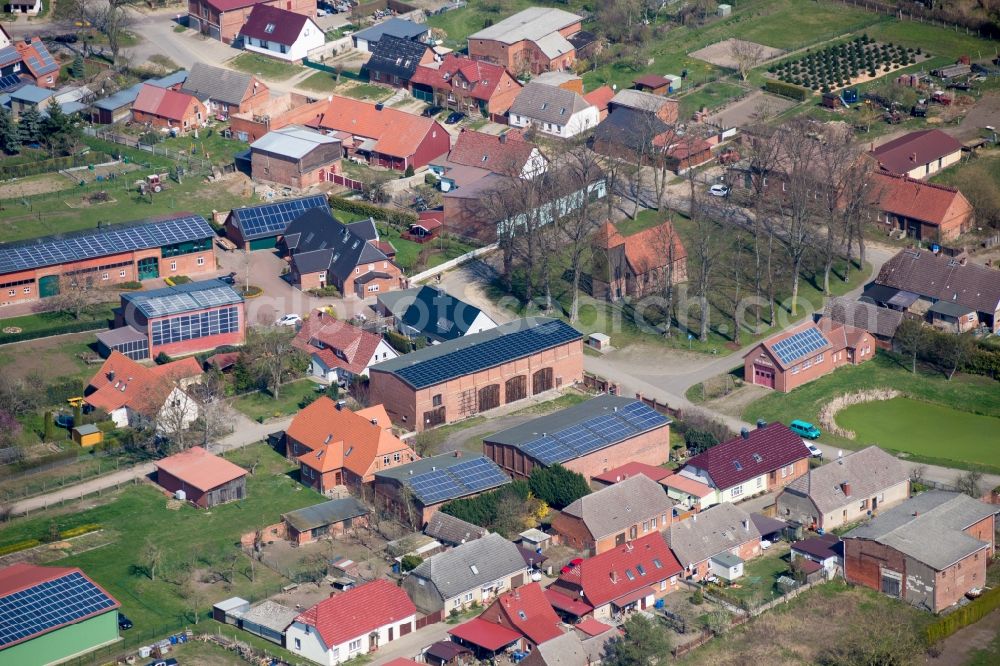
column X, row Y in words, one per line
column 264, row 243
column 763, row 376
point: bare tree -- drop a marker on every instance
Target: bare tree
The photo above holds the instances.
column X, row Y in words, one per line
column 747, row 55
column 666, row 244
column 175, row 414
column 762, row 149
column 270, row 351
column 214, row 413
column 77, row 295
column 706, row 244
column 194, row 596
column 151, row 557
column 579, row 169
column 968, row 483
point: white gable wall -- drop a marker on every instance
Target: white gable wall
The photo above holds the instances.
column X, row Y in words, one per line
column 481, row 323
column 579, row 122
column 304, row 640
column 310, row 37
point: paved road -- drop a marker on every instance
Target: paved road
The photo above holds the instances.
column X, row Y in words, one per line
column 412, row 645
column 245, row 432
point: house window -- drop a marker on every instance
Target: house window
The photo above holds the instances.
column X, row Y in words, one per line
column 373, row 287
column 645, row 526
column 663, row 585
column 784, row 472
column 121, row 273
column 652, row 523
column 298, row 643
column 200, row 261
column 354, row 645
column 396, row 457
column 468, row 596
column 357, row 270
column 807, row 363
column 736, row 491
column 385, row 461
column 795, row 369
column 760, row 482
column 105, row 276
column 436, row 400
column 269, row 28
column 819, row 359
column 27, row 290
column 173, row 265
column 11, row 292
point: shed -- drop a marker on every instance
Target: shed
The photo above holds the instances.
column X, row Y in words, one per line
column 230, row 610
column 726, row 566
column 725, row 10
column 675, row 82
column 331, row 518
column 269, row 619
column 87, row 435
column 599, row 341
column 534, row 539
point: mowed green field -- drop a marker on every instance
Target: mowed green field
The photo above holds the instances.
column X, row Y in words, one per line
column 926, row 429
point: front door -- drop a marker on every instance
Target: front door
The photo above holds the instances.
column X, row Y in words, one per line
column 149, row 268
column 48, row 285
column 763, row 376
column 620, row 539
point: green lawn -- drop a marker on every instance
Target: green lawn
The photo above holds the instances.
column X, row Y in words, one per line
column 937, row 41
column 263, row 404
column 760, row 578
column 973, row 394
column 268, row 68
column 904, row 424
column 209, row 145
column 367, row 91
column 988, row 163
column 43, row 321
column 320, row 82
column 408, row 252
column 192, row 540
column 711, row 95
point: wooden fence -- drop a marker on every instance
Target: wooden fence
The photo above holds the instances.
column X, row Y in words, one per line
column 356, row 185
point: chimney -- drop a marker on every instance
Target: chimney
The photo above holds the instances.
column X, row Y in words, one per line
column 374, row 421
column 745, row 433
column 614, row 576
column 458, row 454
column 746, row 525
column 379, row 106
column 761, row 423
column 340, row 405
column 913, row 157
column 503, row 138
column 846, row 488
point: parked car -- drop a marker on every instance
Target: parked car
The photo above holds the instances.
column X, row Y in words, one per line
column 322, row 12
column 124, row 622
column 804, row 429
column 719, row 190
column 289, row 320
column 764, row 544
column 229, row 279
column 454, row 117
column 813, row 449
column 431, row 111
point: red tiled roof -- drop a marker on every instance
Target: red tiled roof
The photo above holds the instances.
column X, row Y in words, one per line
column 526, row 610
column 651, row 81
column 396, row 132
column 592, row 627
column 286, row 26
column 337, row 343
column 646, row 249
column 162, row 102
column 914, row 150
column 605, row 577
column 354, row 613
column 223, row 360
column 600, row 97
column 567, row 603
column 918, row 200
column 632, row 469
column 430, row 219
column 485, row 634
column 29, row 53
column 506, row 155
column 775, row 445
column 201, row 469
column 483, row 78
column 122, row 382
column 402, row 661
column 230, row 5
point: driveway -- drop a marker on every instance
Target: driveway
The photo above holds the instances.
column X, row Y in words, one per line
column 412, row 645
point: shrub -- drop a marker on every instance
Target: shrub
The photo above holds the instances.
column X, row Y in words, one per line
column 964, row 616
column 789, row 90
column 161, row 359
column 557, row 486
column 19, row 546
column 399, row 342
column 411, row 562
column 398, row 217
column 58, row 329
column 129, row 286
column 79, row 530
column 409, row 171
column 324, row 292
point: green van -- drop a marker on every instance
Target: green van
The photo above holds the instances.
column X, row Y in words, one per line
column 804, row 429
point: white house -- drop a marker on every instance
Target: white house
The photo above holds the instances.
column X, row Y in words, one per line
column 281, row 34
column 432, row 313
column 29, row 7
column 338, row 351
column 553, row 110
column 352, row 624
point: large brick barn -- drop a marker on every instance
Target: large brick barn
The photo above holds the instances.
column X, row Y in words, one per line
column 40, row 267
column 462, row 377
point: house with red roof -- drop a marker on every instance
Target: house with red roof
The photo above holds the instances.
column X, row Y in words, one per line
column 279, row 33
column 633, row 266
column 806, row 352
column 526, row 611
column 630, row 469
column 340, row 352
column 477, row 155
column 382, row 135
column 168, row 109
column 925, row 211
column 631, row 576
column 335, row 446
column 204, row 479
column 766, row 458
column 223, row 19
column 918, row 154
column 600, row 98
column 134, row 394
column 352, row 624
column 36, row 62
column 471, row 86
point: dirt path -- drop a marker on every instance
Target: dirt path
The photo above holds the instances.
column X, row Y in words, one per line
column 24, row 187
column 956, row 649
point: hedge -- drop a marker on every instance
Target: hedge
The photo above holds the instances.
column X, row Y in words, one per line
column 787, row 90
column 398, row 217
column 78, row 531
column 964, row 616
column 57, row 329
column 19, row 546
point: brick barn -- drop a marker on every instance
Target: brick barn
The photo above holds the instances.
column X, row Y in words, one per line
column 295, row 156
column 331, row 519
column 40, row 267
column 259, row 227
column 806, row 352
column 928, row 551
column 535, row 40
column 588, row 438
column 164, row 108
column 475, row 373
column 225, row 91
column 207, row 480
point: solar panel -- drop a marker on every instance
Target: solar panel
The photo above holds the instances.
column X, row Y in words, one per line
column 435, row 486
column 801, row 344
column 47, row 251
column 487, row 354
column 49, row 605
column 478, row 474
column 9, row 81
column 272, row 219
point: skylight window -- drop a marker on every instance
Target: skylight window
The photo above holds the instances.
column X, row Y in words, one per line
column 348, row 452
column 737, row 465
column 521, row 614
column 474, row 569
column 629, row 574
column 269, row 28
column 757, row 458
column 641, row 569
column 544, row 105
column 657, row 563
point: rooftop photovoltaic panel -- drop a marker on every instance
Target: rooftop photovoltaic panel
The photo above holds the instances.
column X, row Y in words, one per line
column 272, row 219
column 801, row 344
column 454, row 481
column 184, row 298
column 30, row 612
column 597, row 432
column 52, row 250
column 9, row 81
column 479, row 351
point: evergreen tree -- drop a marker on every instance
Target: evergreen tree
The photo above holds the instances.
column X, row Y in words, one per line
column 61, row 130
column 29, row 126
column 10, row 138
column 78, row 69
column 557, row 486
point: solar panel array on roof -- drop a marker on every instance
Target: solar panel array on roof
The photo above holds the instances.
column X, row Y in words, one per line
column 272, row 219
column 50, row 604
column 459, row 480
column 173, row 303
column 50, row 250
column 9, row 81
column 801, row 344
column 487, row 354
column 594, row 434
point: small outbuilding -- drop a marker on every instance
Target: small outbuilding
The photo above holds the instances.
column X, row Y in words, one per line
column 87, row 435
column 202, row 478
column 229, row 611
column 331, row 518
column 268, row 619
column 726, row 566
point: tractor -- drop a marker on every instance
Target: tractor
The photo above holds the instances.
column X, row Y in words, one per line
column 156, row 182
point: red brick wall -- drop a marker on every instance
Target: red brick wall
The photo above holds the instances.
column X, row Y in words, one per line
column 189, row 120
column 864, row 560
column 435, row 143
column 785, row 380
column 951, row 584
column 392, row 269
column 406, row 406
column 172, row 484
column 522, row 55
column 984, row 531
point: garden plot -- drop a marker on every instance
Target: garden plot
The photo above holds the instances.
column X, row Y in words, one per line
column 728, row 52
column 857, row 61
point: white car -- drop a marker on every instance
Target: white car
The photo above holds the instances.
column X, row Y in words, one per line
column 719, row 190
column 289, row 320
column 813, row 449
column 764, row 544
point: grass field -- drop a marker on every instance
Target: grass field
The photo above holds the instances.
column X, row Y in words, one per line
column 268, row 68
column 919, row 427
column 263, row 404
column 209, row 145
column 711, row 95
column 966, row 393
column 760, row 577
column 321, row 82
column 42, row 321
column 195, row 542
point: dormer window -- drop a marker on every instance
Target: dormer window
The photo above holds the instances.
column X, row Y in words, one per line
column 269, row 28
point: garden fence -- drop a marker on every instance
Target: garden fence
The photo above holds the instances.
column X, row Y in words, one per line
column 195, row 165
column 919, row 14
column 49, row 165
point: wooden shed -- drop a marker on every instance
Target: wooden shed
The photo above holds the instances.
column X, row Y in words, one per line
column 87, row 435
